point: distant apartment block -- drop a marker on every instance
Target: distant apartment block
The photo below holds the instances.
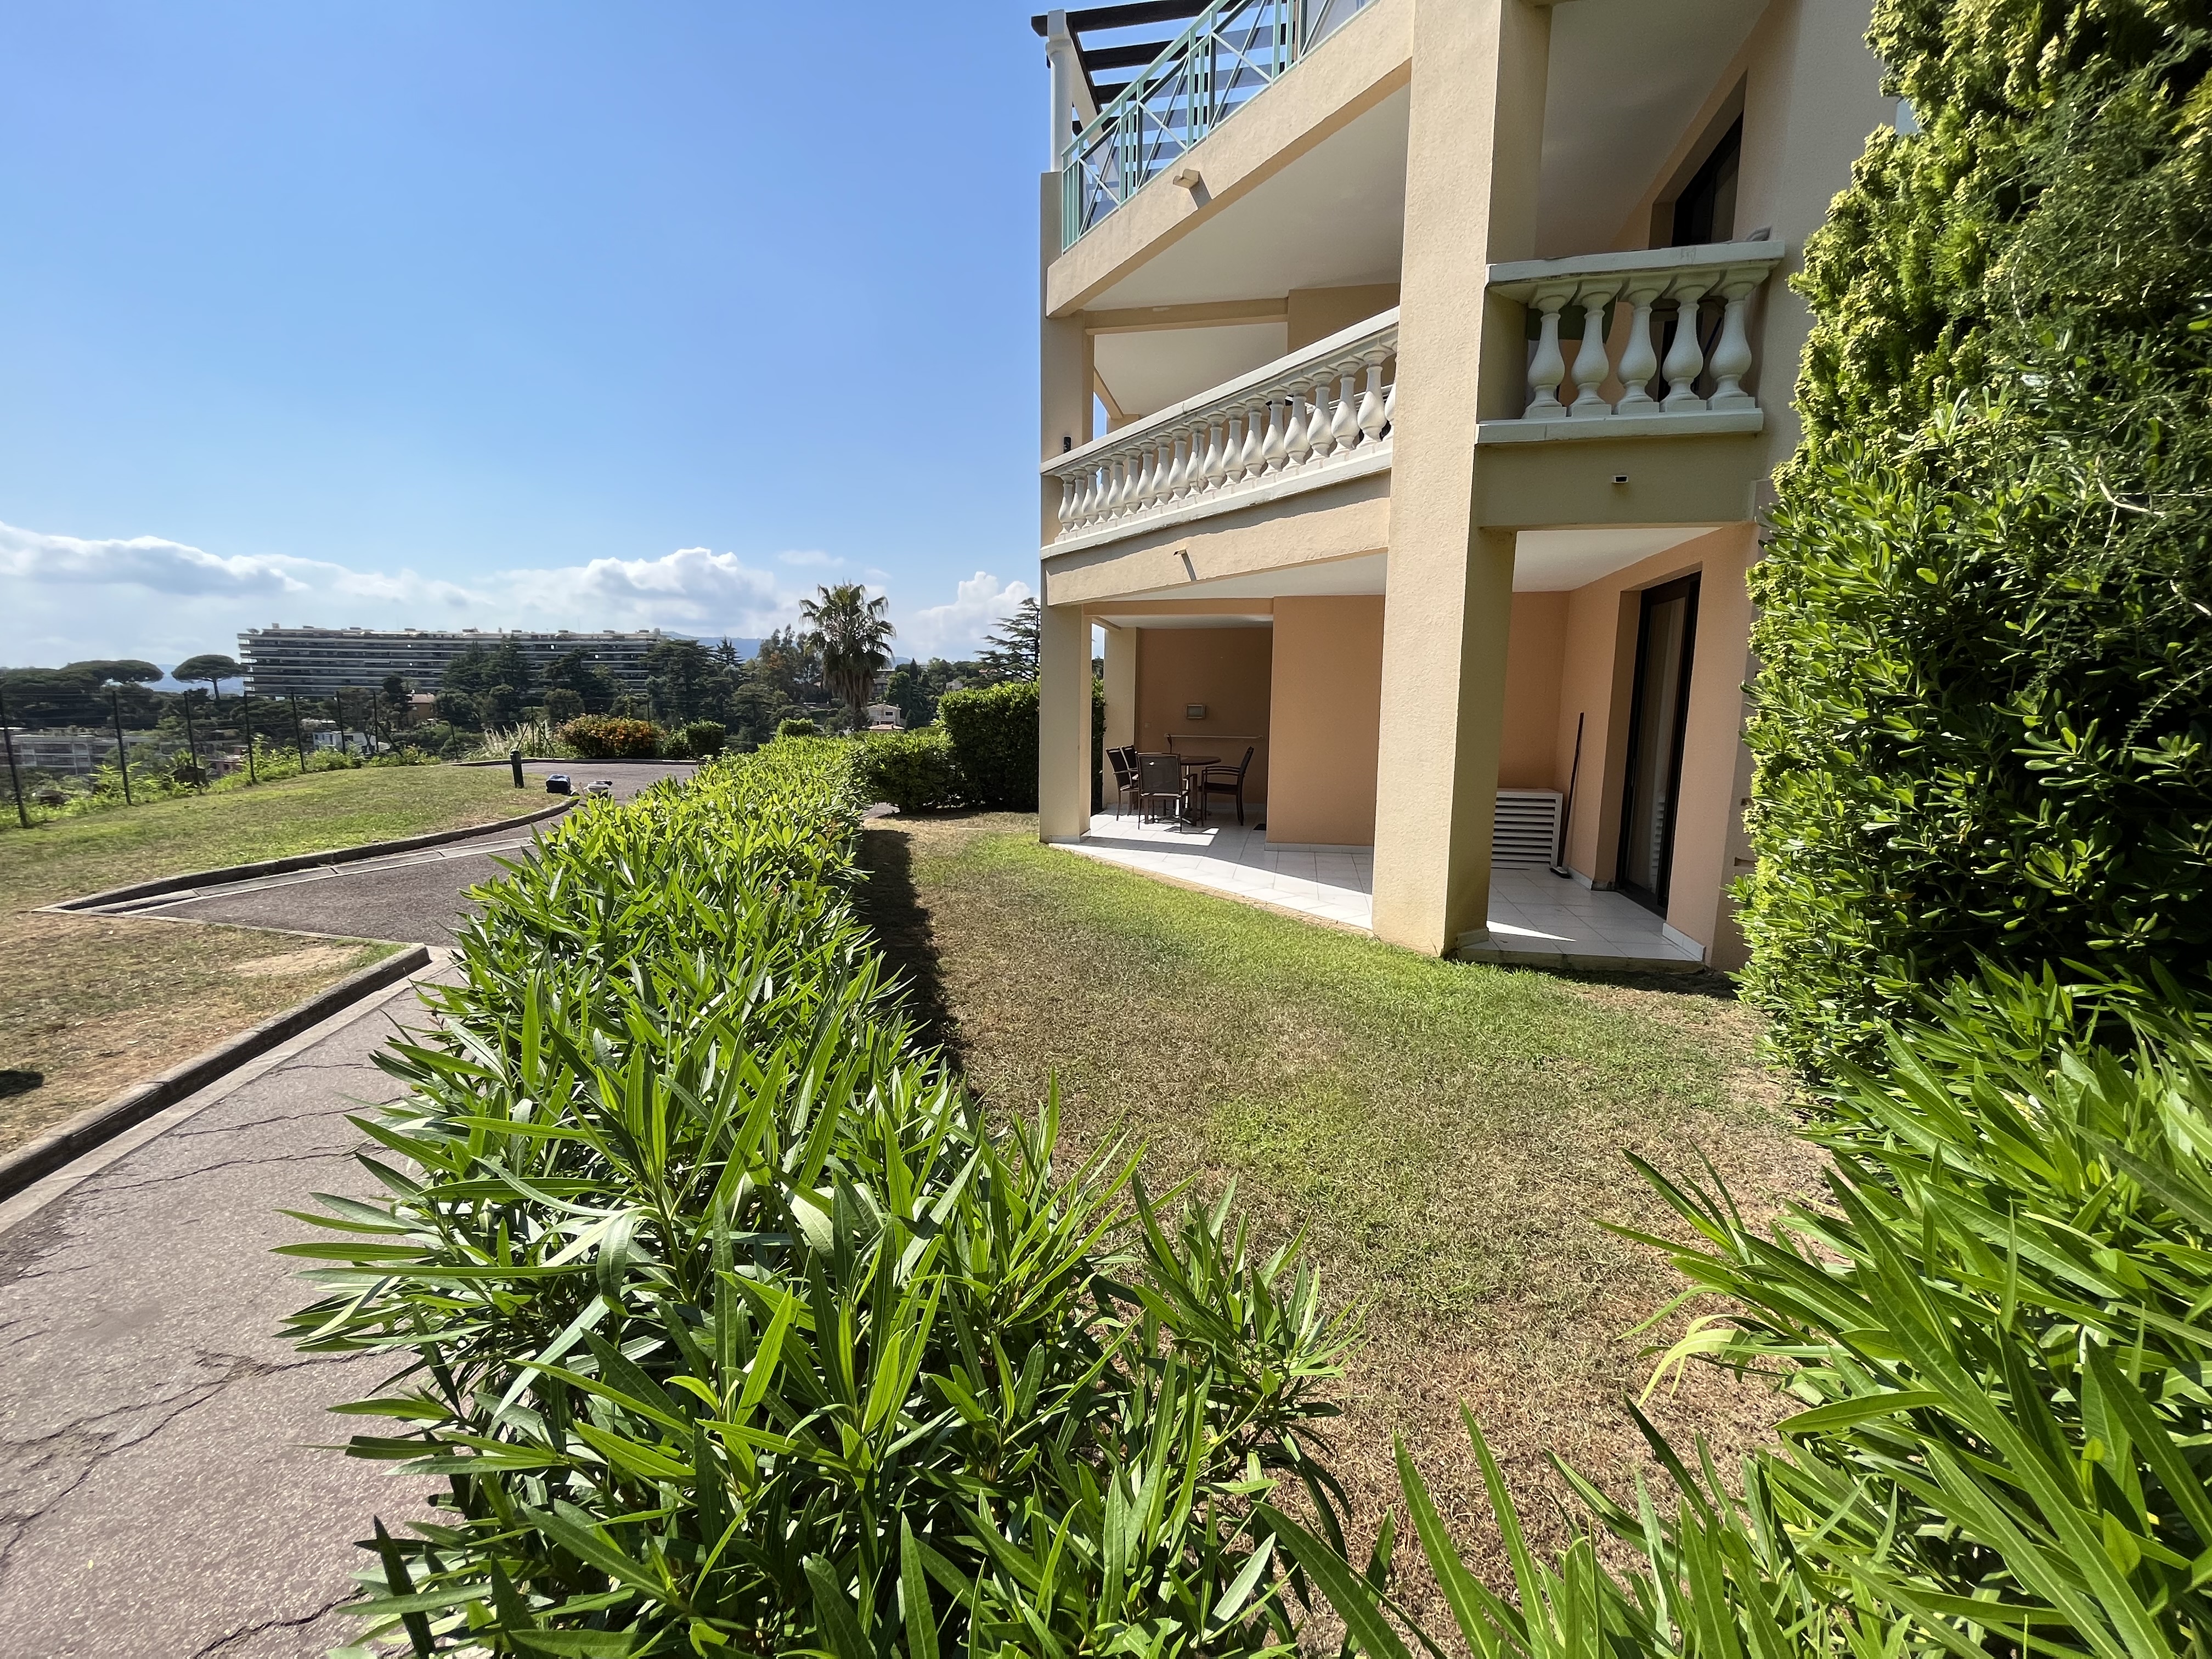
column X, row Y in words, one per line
column 78, row 752
column 321, row 662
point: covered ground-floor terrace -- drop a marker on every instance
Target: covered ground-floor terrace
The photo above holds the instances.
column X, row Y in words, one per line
column 1619, row 761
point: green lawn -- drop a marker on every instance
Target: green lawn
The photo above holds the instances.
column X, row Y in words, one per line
column 92, row 1005
column 68, row 856
column 1451, row 1135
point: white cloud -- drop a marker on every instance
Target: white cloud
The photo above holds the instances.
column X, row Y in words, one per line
column 148, row 562
column 66, row 598
column 692, row 590
column 958, row 630
column 813, row 557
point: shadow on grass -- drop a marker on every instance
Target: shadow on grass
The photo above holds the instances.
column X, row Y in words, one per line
column 889, row 904
column 1708, row 982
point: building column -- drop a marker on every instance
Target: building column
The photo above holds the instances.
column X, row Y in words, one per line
column 1064, row 636
column 1475, row 143
column 1063, row 723
column 1121, row 682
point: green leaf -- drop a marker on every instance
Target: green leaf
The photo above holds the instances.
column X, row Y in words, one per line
column 1355, row 1601
column 913, row 1594
column 833, row 1612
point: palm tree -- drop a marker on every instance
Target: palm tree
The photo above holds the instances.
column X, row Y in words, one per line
column 852, row 634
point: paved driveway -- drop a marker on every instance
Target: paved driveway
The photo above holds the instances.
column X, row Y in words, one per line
column 161, row 1491
column 420, row 897
column 161, row 1494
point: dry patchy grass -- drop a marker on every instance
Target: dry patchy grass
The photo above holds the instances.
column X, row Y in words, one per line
column 90, row 1005
column 1452, row 1135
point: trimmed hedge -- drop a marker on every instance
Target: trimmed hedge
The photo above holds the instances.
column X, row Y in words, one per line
column 611, row 736
column 993, row 730
column 914, row 770
column 729, row 1327
column 701, row 739
column 1981, row 715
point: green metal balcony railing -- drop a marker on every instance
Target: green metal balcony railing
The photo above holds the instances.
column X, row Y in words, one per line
column 1233, row 51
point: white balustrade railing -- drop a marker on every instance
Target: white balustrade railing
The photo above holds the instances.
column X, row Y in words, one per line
column 1319, row 415
column 1617, row 384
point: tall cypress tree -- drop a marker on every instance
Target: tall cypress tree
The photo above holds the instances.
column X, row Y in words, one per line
column 1986, row 634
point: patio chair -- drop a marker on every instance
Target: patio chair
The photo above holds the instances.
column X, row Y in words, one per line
column 1159, row 778
column 1124, row 762
column 1228, row 781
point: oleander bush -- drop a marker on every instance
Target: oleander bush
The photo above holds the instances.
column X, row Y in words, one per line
column 1980, row 920
column 914, row 770
column 993, row 730
column 611, row 736
column 730, row 1327
column 1993, row 1332
column 703, row 739
column 1985, row 628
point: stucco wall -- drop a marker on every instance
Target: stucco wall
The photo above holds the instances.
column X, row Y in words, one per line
column 1811, row 93
column 1534, row 655
column 1315, row 313
column 1230, row 670
column 1598, row 662
column 1327, row 720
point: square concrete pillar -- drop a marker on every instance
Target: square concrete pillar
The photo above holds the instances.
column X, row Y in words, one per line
column 1120, row 684
column 1064, row 723
column 1063, row 642
column 1064, row 362
column 1475, row 144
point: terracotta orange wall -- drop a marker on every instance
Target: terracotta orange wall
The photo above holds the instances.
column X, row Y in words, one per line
column 1230, row 671
column 1327, row 720
column 1598, row 663
column 1533, row 654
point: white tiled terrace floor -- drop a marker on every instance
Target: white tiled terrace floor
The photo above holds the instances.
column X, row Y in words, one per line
column 1536, row 919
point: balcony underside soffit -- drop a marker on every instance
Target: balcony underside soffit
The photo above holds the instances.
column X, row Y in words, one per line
column 1544, row 561
column 1362, row 574
column 1626, row 77
column 1143, row 372
column 1560, row 560
column 1333, row 218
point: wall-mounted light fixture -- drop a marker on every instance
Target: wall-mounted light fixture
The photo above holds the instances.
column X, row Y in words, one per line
column 1194, row 711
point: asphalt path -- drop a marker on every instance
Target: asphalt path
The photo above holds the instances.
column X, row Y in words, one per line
column 163, row 1488
column 167, row 1491
column 416, row 898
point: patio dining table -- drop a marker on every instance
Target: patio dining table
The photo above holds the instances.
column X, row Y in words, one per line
column 1194, row 812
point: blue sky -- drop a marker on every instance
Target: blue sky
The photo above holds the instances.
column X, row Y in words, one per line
column 484, row 314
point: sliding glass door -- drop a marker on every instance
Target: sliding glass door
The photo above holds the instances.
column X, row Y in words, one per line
column 1665, row 638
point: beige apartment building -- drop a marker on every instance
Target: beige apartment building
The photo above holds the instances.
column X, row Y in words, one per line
column 1413, row 372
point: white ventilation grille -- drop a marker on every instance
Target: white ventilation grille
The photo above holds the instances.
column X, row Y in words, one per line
column 1527, row 828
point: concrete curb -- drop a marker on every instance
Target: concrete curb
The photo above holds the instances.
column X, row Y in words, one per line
column 74, row 1136
column 370, row 849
